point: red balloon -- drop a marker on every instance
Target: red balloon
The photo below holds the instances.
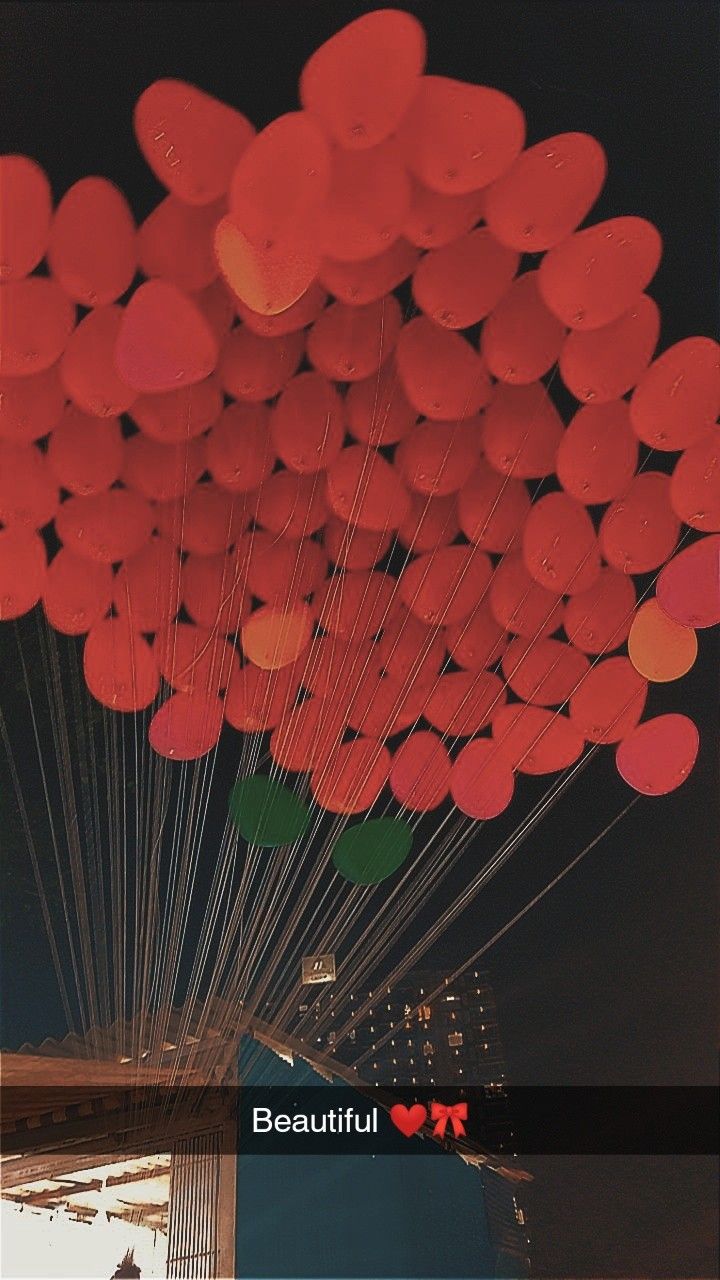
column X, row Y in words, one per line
column 478, row 641
column 481, row 782
column 462, row 703
column 271, row 277
column 441, row 373
column 610, row 701
column 598, row 453
column 36, row 320
column 284, row 569
column 77, row 594
column 191, row 141
column 195, row 660
column 164, row 341
column 409, row 650
column 353, row 776
column 545, row 672
column 457, row 137
column 282, row 178
column 420, row 772
column 383, row 706
column 258, row 699
column 688, row 589
column 29, row 495
column 521, row 339
column 307, row 735
column 437, row 457
column 205, row 520
column 186, row 726
column 446, row 585
column 522, row 431
column 358, row 283
column 86, row 453
column 162, row 471
column 217, row 305
column 492, row 509
column 602, row 364
column 521, row 605
column 434, row 220
column 677, row 400
column 640, row 530
column 430, row 523
column 695, row 485
column 355, row 605
column 27, row 208
column 349, row 343
column 30, row 407
column 254, row 368
column 360, row 82
column 559, row 545
column 88, row 368
column 303, row 312
column 176, row 243
column 365, row 490
column 378, row 411
column 146, row 589
column 351, row 548
column 594, row 276
column 461, row 283
column 332, row 670
column 239, row 450
column 120, row 667
column 214, row 590
column 93, row 249
column 23, row 566
column 368, row 200
column 598, row 620
column 535, row 740
column 657, row 756
column 291, row 505
column 547, row 192
column 307, row 425
column 105, row 527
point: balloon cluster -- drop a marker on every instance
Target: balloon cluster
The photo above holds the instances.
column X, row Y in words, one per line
column 288, row 501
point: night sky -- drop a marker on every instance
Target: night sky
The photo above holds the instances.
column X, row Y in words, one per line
column 610, row 979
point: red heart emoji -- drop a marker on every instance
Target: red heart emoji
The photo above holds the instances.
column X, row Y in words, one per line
column 408, row 1119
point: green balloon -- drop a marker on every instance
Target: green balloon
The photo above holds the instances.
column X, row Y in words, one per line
column 267, row 813
column 371, row 851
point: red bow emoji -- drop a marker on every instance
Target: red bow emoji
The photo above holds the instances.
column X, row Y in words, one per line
column 455, row 1115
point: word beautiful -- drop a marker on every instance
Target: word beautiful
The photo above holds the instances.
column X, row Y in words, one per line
column 337, row 1120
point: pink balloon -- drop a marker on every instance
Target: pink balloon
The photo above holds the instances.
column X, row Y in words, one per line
column 688, row 589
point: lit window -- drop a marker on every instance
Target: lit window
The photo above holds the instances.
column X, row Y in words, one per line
column 427, row 1048
column 331, row 1037
column 424, row 1013
column 455, row 1039
column 449, row 998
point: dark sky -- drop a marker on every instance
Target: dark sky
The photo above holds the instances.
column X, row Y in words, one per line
column 610, row 979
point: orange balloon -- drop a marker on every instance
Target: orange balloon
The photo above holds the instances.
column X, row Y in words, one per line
column 598, row 620
column 353, row 776
column 174, row 416
column 434, row 219
column 307, row 425
column 193, row 659
column 522, row 431
column 301, row 313
column 534, row 740
column 360, row 82
column 86, row 453
column 446, row 585
column 458, row 137
column 105, row 527
column 477, row 642
column 176, row 243
column 146, row 588
column 274, row 637
column 420, row 772
column 282, row 178
column 609, row 702
column 460, row 284
column 162, row 471
column 437, row 457
column 521, row 339
column 206, row 520
column 214, row 590
column 598, row 453
column 29, row 496
column 594, row 276
column 186, row 726
column 93, row 251
column 545, row 672
column 430, row 523
column 88, row 368
column 351, row 548
column 378, row 411
column 292, row 506
column 441, row 373
column 559, row 545
column 677, row 400
column 493, row 509
column 410, row 650
column 368, row 199
column 164, row 341
column 688, row 589
column 358, row 283
column 239, row 450
column 355, row 605
column 481, row 782
column 30, row 407
column 659, row 648
column 23, row 567
column 77, row 594
column 36, row 320
column 640, row 530
column 284, row 569
column 191, row 141
column 365, row 490
column 547, row 192
column 462, row 703
column 695, row 485
column 658, row 755
column 27, row 209
column 271, row 277
column 306, row 735
column 349, row 343
column 602, row 364
column 254, row 368
column 257, row 700
column 521, row 605
column 120, row 668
